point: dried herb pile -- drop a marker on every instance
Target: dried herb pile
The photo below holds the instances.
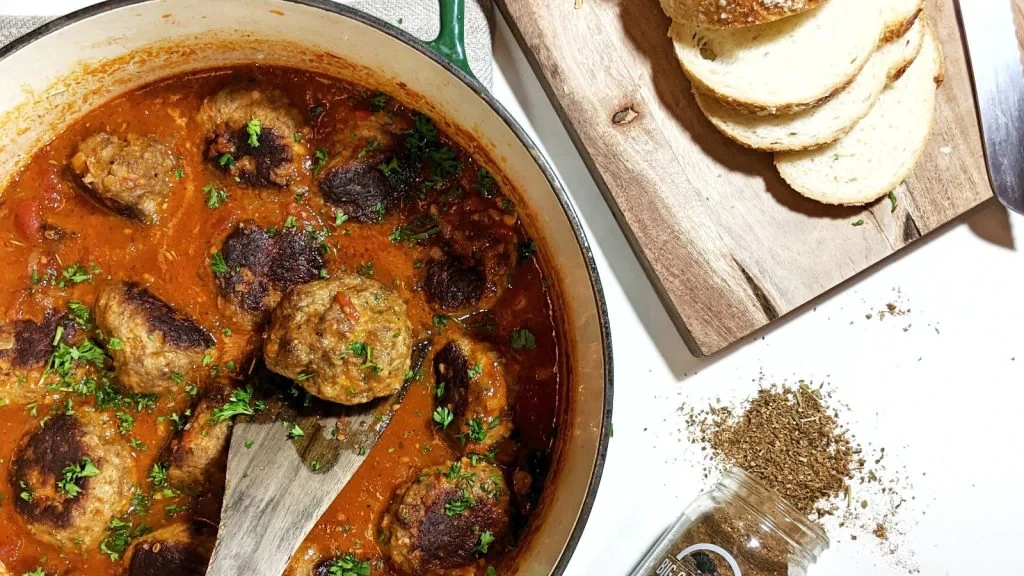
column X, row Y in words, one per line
column 789, row 439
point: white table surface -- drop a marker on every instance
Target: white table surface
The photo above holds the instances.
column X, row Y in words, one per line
column 944, row 397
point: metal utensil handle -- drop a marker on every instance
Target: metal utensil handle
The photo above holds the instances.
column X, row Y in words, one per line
column 451, row 40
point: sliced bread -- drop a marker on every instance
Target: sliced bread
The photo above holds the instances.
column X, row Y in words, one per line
column 899, row 17
column 882, row 149
column 735, row 13
column 826, row 123
column 904, row 50
column 784, row 66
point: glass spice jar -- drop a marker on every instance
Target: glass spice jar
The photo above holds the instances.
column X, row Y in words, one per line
column 739, row 528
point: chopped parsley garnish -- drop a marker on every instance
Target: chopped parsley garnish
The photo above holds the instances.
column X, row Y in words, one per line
column 254, row 128
column 389, row 168
column 365, row 269
column 316, row 111
column 240, row 402
column 475, row 371
column 68, row 484
column 370, row 147
column 858, row 223
column 444, row 163
column 892, row 201
column 454, row 470
column 297, row 137
column 248, row 444
column 523, row 338
column 37, row 572
column 217, row 264
column 177, row 378
column 25, row 493
column 348, row 565
column 291, row 222
column 158, row 474
column 459, row 506
column 179, row 173
column 73, row 274
column 485, row 183
column 81, row 314
column 226, row 160
column 491, row 571
column 440, row 389
column 115, row 344
column 295, row 432
column 443, row 417
column 215, row 197
column 125, row 422
column 321, row 159
column 119, row 535
column 477, row 432
column 303, row 376
column 526, row 250
column 364, row 351
column 379, row 102
column 440, row 320
column 486, row 539
column 340, row 218
column 409, row 235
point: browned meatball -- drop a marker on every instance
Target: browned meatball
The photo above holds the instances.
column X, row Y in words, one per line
column 446, row 518
column 131, row 176
column 173, row 550
column 346, row 340
column 251, row 135
column 470, row 382
column 153, row 341
column 196, row 456
column 25, row 348
column 71, row 475
column 473, row 268
column 354, row 177
column 259, row 266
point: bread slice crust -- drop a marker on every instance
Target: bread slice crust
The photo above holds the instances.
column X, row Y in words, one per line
column 780, row 67
column 882, row 149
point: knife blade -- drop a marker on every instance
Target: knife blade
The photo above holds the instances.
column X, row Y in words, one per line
column 994, row 59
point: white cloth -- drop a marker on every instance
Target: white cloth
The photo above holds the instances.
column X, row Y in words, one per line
column 418, row 17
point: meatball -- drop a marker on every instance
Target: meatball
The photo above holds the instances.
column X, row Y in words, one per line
column 173, row 550
column 470, row 381
column 25, row 348
column 454, row 284
column 195, row 454
column 259, row 266
column 474, row 267
column 71, row 475
column 358, row 177
column 438, row 522
column 156, row 341
column 251, row 135
column 130, row 176
column 346, row 340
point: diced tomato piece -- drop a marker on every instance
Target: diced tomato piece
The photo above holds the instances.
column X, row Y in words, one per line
column 28, row 220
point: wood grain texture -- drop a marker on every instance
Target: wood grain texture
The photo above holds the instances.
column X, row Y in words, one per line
column 278, row 486
column 727, row 244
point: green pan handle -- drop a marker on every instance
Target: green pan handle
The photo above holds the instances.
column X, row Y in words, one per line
column 451, row 41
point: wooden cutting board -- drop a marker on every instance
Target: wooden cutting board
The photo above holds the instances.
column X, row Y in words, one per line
column 728, row 245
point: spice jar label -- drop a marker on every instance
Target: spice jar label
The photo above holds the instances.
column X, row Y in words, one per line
column 699, row 560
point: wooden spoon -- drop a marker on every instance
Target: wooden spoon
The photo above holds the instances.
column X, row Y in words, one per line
column 278, row 485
